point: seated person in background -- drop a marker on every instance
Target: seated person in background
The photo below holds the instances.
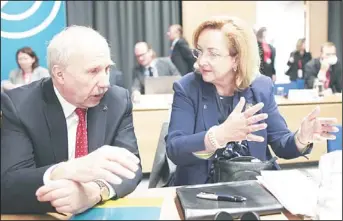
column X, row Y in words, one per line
column 326, row 69
column 267, row 54
column 67, row 142
column 149, row 66
column 297, row 61
column 209, row 110
column 116, row 77
column 181, row 54
column 28, row 70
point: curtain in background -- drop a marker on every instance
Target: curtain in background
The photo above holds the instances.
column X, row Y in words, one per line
column 123, row 23
column 335, row 26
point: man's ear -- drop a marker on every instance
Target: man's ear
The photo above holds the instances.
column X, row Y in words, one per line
column 58, row 74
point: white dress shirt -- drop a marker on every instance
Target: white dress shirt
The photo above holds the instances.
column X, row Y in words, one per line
column 153, row 69
column 72, row 121
column 174, row 43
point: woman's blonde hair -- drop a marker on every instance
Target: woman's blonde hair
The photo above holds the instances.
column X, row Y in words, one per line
column 242, row 43
column 300, row 43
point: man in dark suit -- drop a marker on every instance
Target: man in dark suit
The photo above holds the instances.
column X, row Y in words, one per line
column 180, row 52
column 326, row 69
column 149, row 66
column 67, row 142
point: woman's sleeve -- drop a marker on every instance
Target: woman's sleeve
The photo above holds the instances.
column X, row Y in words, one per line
column 181, row 142
column 280, row 138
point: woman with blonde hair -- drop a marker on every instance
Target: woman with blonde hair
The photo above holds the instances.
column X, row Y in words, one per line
column 297, row 61
column 229, row 101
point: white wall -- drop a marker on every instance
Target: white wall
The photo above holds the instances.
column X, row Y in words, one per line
column 285, row 22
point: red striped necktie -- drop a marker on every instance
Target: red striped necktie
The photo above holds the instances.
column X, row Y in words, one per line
column 81, row 146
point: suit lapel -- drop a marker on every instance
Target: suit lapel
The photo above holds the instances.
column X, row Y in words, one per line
column 56, row 123
column 161, row 67
column 209, row 105
column 141, row 75
column 96, row 125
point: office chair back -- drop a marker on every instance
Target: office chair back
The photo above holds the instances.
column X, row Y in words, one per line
column 333, row 145
column 163, row 168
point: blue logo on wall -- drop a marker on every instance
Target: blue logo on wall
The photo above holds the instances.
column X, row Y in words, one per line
column 28, row 23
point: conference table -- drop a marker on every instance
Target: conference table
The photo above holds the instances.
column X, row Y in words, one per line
column 170, row 209
column 153, row 110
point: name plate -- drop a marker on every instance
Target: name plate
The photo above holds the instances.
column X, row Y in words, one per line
column 303, row 95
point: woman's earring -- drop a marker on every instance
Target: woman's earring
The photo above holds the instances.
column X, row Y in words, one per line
column 235, row 69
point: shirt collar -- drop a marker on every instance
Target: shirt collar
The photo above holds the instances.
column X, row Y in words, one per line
column 152, row 64
column 175, row 41
column 67, row 107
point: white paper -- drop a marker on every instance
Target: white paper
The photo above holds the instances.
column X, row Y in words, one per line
column 302, row 95
column 296, row 191
column 329, row 203
column 315, row 193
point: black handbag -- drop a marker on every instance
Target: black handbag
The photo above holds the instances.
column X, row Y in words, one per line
column 235, row 164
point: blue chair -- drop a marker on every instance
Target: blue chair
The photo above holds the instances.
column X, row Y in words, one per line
column 300, row 83
column 335, row 144
column 286, row 87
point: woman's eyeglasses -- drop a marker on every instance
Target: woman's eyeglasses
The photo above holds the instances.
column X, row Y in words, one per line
column 212, row 56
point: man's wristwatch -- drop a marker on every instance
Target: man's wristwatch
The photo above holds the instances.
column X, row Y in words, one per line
column 104, row 191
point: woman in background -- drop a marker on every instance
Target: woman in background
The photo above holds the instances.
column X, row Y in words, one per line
column 28, row 70
column 297, row 61
column 267, row 54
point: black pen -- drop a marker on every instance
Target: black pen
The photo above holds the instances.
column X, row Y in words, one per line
column 220, row 197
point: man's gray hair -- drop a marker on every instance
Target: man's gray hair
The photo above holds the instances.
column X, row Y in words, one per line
column 71, row 40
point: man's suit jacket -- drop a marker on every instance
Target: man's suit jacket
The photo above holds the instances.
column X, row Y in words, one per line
column 34, row 137
column 116, row 77
column 195, row 111
column 164, row 67
column 182, row 57
column 265, row 68
column 311, row 72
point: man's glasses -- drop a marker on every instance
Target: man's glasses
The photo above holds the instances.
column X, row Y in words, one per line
column 141, row 55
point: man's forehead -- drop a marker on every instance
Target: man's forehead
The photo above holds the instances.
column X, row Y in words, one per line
column 91, row 60
column 141, row 48
column 99, row 62
column 328, row 49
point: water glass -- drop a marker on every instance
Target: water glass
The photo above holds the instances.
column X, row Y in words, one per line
column 280, row 91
